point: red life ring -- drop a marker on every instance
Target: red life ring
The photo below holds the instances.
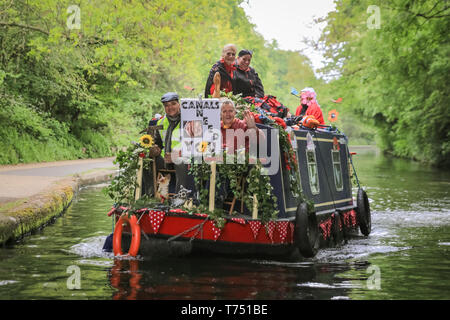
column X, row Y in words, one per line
column 135, row 235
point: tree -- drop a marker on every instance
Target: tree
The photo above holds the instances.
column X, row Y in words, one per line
column 398, row 75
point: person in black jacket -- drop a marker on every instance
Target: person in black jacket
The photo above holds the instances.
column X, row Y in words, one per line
column 226, row 67
column 246, row 79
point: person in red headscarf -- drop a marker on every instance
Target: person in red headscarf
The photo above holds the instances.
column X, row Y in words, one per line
column 225, row 66
column 309, row 106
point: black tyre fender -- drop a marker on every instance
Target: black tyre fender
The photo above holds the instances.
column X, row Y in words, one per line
column 306, row 234
column 363, row 212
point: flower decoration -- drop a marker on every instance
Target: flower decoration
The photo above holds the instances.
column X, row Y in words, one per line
column 333, row 115
column 146, row 141
column 280, row 122
column 202, row 146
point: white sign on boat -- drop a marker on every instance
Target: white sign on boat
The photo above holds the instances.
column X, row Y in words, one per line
column 200, row 125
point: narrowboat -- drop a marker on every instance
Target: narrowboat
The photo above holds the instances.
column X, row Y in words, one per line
column 322, row 213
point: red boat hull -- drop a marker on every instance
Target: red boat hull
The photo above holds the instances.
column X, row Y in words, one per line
column 183, row 233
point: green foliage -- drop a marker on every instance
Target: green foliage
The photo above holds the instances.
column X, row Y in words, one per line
column 259, row 185
column 78, row 93
column 122, row 187
column 90, row 90
column 396, row 76
column 256, row 184
column 201, row 173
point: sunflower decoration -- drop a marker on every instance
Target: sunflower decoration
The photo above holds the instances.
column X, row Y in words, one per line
column 202, row 147
column 146, row 141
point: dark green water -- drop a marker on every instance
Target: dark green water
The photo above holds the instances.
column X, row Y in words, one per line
column 407, row 255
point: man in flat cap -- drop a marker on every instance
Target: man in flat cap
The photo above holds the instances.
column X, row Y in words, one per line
column 168, row 139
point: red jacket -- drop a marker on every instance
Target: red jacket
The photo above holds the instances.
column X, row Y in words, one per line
column 313, row 110
column 239, row 124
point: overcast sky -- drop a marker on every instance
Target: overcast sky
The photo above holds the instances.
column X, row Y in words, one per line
column 289, row 21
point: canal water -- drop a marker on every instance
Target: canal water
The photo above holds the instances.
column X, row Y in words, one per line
column 407, row 255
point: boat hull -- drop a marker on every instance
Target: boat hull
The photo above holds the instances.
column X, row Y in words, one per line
column 182, row 234
column 325, row 215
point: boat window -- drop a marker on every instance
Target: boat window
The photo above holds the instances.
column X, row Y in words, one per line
column 337, row 170
column 312, row 171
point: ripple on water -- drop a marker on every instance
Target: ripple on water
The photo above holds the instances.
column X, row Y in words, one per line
column 99, row 263
column 91, row 248
column 416, row 218
column 6, row 282
column 342, row 285
column 354, row 251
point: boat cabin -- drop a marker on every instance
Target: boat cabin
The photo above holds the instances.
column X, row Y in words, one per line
column 324, row 172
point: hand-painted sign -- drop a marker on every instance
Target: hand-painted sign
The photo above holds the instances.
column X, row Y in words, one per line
column 200, row 125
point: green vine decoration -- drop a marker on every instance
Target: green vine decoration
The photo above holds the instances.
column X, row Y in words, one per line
column 123, row 186
column 290, row 161
column 201, row 173
column 286, row 150
column 257, row 183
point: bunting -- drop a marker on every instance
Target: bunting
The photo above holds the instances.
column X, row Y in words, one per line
column 349, row 218
column 156, row 218
column 326, row 228
column 291, row 230
column 270, row 227
column 255, row 225
column 203, row 215
column 238, row 220
column 215, row 231
column 177, row 211
column 282, row 228
column 353, row 217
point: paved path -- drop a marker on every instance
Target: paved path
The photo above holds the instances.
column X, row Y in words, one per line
column 26, row 180
column 32, row 194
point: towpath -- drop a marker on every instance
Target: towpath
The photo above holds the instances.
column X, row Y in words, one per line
column 31, row 194
column 25, row 180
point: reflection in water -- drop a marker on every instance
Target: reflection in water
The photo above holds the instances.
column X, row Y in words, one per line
column 199, row 278
column 409, row 246
column 125, row 277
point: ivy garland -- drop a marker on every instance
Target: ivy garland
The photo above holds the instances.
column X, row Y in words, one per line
column 287, row 152
column 260, row 185
column 201, row 173
column 290, row 160
column 257, row 183
column 122, row 187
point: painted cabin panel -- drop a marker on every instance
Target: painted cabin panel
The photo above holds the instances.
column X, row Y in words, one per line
column 323, row 171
